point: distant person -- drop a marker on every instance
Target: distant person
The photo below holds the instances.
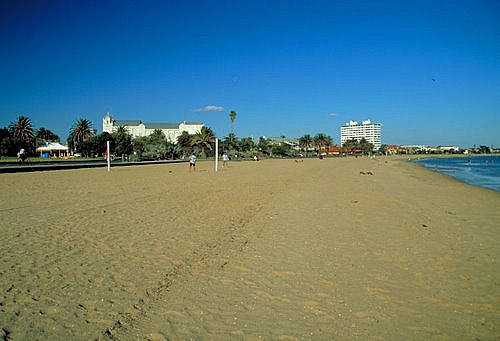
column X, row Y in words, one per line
column 225, row 160
column 22, row 156
column 192, row 162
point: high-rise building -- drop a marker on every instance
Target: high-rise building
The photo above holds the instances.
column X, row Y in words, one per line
column 372, row 132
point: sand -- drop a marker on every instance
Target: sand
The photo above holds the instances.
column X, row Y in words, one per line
column 274, row 250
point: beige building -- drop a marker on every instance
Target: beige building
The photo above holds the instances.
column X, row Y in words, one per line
column 137, row 128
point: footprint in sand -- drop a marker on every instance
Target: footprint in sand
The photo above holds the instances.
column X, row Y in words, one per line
column 284, row 274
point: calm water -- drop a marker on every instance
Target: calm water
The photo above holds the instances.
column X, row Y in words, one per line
column 478, row 170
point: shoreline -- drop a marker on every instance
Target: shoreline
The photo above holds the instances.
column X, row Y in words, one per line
column 459, row 174
column 276, row 248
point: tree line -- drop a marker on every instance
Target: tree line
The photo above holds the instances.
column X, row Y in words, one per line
column 20, row 134
column 84, row 140
column 353, row 146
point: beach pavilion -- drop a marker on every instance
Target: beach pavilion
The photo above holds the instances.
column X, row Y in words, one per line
column 52, row 149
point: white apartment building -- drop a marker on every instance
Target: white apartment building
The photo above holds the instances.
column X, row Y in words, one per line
column 138, row 128
column 372, row 132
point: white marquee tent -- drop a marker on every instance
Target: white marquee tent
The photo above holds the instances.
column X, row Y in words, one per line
column 53, row 148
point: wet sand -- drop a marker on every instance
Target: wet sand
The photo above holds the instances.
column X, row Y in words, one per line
column 275, row 250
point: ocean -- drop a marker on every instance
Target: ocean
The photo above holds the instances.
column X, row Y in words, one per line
column 481, row 171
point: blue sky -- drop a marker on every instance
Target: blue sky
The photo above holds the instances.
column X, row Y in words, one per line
column 428, row 71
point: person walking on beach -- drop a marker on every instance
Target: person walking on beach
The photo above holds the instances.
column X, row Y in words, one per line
column 192, row 162
column 225, row 160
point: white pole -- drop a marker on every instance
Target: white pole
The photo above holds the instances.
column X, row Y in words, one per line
column 109, row 163
column 216, row 153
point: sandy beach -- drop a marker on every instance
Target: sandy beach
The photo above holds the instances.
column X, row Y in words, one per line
column 272, row 250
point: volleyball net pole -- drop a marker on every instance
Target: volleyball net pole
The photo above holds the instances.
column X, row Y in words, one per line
column 108, row 156
column 216, row 153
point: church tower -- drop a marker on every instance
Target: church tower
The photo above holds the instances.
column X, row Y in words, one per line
column 107, row 123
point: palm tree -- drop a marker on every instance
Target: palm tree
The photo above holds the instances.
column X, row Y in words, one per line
column 246, row 144
column 365, row 146
column 305, row 142
column 349, row 146
column 46, row 135
column 322, row 141
column 185, row 142
column 121, row 130
column 81, row 131
column 328, row 141
column 265, row 146
column 232, row 117
column 230, row 142
column 22, row 132
column 204, row 140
